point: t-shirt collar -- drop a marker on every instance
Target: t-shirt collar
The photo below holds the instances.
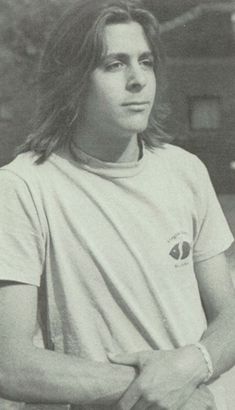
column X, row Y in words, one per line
column 107, row 169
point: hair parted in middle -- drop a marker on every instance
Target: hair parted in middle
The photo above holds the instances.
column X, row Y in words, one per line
column 74, row 49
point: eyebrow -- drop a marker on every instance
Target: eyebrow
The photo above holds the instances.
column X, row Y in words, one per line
column 124, row 56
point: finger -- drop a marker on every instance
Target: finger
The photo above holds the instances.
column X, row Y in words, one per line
column 129, row 359
column 130, row 397
column 142, row 405
column 201, row 400
column 205, row 391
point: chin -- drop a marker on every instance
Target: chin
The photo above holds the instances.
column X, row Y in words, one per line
column 138, row 130
column 136, row 127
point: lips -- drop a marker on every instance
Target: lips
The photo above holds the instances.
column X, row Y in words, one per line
column 136, row 106
column 135, row 103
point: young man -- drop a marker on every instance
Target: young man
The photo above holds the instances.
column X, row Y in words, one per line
column 116, row 233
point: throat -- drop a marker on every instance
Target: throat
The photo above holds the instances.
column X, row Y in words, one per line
column 120, row 150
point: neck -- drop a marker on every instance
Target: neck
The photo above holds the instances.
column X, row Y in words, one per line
column 108, row 149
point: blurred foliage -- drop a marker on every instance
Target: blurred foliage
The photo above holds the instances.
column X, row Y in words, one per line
column 24, row 28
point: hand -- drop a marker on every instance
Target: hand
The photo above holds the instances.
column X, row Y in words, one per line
column 166, row 380
column 201, row 399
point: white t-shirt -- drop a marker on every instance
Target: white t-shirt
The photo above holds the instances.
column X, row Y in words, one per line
column 114, row 244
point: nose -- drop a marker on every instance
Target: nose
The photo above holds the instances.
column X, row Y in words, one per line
column 136, row 78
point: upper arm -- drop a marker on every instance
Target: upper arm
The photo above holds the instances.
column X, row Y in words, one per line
column 18, row 314
column 215, row 285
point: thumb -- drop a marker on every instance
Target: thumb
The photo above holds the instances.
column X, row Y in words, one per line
column 129, row 359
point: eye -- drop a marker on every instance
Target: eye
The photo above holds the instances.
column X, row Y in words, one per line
column 114, row 66
column 147, row 62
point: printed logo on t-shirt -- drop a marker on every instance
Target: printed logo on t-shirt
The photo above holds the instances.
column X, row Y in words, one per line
column 180, row 248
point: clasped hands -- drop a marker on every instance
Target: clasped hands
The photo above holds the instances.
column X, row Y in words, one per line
column 166, row 380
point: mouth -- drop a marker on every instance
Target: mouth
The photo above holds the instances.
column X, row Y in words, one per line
column 136, row 105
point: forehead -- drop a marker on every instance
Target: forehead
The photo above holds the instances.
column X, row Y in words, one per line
column 127, row 38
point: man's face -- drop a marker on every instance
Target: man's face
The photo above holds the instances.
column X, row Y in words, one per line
column 122, row 89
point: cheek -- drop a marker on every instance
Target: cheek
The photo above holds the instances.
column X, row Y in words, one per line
column 105, row 95
column 98, row 101
column 153, row 85
column 108, row 87
column 110, row 99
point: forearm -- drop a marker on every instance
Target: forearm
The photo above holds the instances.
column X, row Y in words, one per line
column 42, row 376
column 219, row 339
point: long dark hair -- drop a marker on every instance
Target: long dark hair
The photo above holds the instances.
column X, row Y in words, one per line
column 74, row 49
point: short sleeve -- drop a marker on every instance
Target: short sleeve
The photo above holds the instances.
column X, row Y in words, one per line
column 21, row 238
column 212, row 233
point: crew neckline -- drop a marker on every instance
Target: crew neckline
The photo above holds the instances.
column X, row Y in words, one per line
column 106, row 169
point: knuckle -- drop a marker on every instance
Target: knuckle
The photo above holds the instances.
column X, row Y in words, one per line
column 142, row 386
column 146, row 395
column 149, row 398
column 210, row 403
column 162, row 405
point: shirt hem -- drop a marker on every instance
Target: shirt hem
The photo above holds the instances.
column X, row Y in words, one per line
column 214, row 252
column 20, row 280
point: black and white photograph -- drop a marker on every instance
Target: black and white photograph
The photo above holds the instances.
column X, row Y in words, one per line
column 117, row 205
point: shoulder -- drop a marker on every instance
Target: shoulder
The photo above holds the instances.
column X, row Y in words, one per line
column 17, row 177
column 180, row 162
column 22, row 179
column 177, row 155
column 23, row 166
column 21, row 198
column 24, row 170
column 182, row 169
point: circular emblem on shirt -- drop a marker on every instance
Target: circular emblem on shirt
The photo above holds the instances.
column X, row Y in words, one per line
column 181, row 250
